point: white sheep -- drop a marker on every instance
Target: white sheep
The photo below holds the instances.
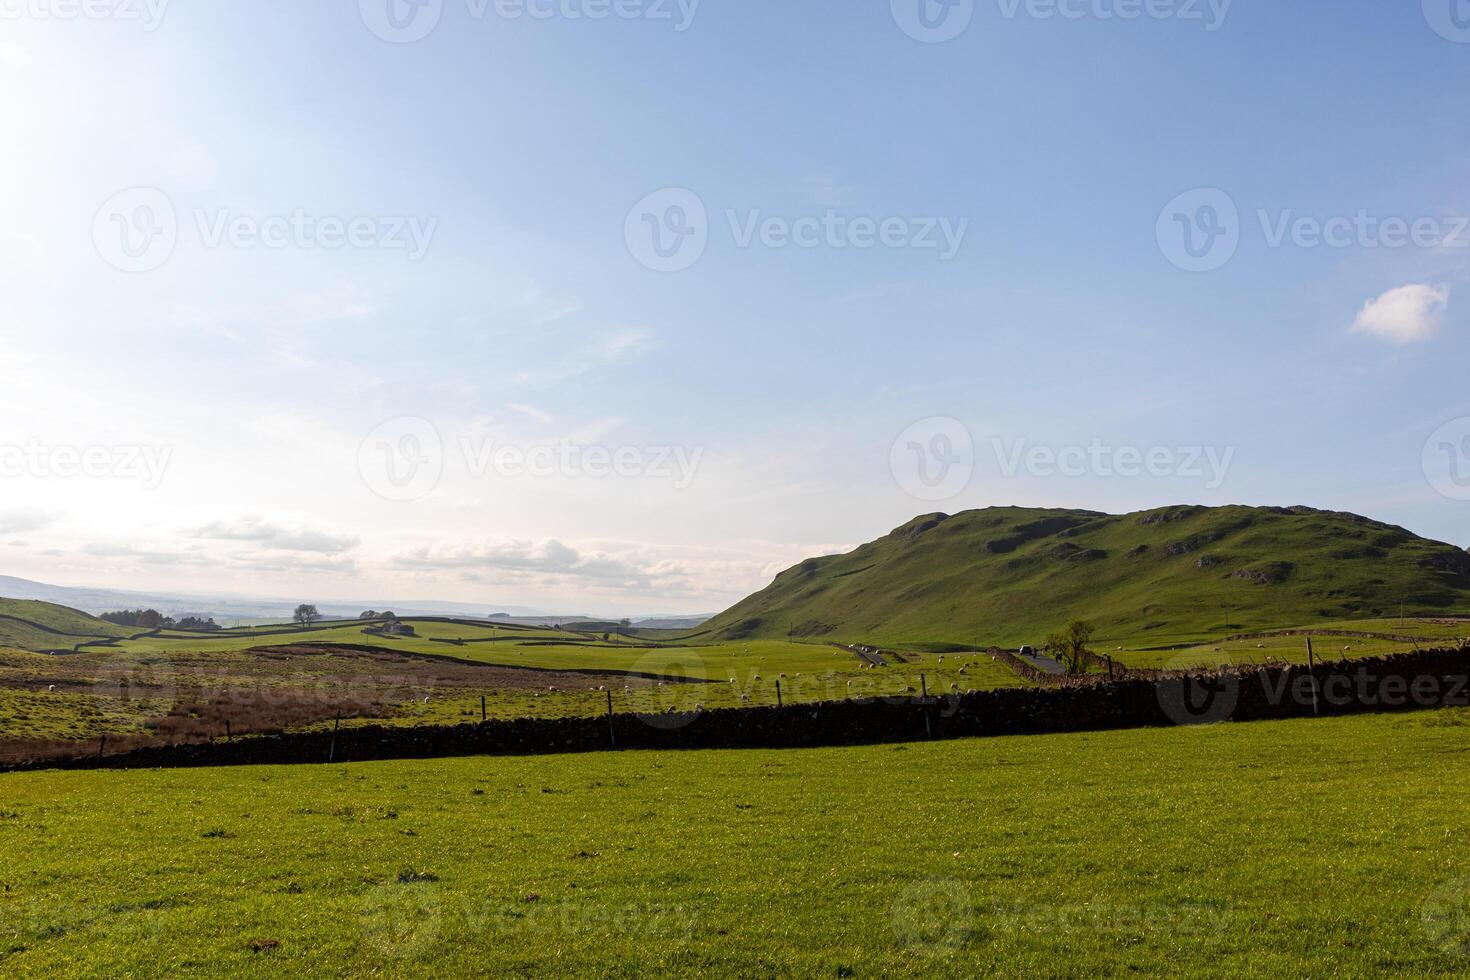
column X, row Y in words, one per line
column 51, row 687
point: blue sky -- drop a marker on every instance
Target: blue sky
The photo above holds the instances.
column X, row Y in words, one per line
column 259, row 378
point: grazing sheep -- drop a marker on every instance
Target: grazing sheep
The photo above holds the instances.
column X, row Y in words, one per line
column 783, row 677
column 426, row 699
column 602, row 687
column 51, row 687
column 954, row 687
column 699, row 707
column 745, row 697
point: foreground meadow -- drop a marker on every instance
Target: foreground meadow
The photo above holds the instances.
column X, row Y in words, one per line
column 1307, row 847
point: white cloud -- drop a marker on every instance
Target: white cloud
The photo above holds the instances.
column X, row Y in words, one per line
column 277, row 537
column 545, row 557
column 1404, row 315
column 14, row 520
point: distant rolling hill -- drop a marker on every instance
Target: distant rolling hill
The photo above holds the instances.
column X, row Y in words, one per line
column 30, row 624
column 1009, row 575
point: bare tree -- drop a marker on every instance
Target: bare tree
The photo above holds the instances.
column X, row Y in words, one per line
column 306, row 614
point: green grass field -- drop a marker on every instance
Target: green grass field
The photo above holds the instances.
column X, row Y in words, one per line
column 1330, row 847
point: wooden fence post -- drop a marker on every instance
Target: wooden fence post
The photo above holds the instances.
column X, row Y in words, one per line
column 482, row 709
column 101, row 748
column 1312, row 669
column 612, row 734
column 924, row 704
column 332, row 752
column 227, row 730
column 778, row 694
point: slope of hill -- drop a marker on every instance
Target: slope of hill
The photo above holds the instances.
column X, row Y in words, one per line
column 1008, row 575
column 34, row 625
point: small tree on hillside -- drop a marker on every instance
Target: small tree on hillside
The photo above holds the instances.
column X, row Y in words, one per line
column 1069, row 647
column 306, row 614
column 369, row 614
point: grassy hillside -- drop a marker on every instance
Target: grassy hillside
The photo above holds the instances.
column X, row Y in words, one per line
column 1261, row 849
column 29, row 624
column 1008, row 575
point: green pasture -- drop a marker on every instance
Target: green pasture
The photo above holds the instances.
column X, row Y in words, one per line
column 1299, row 848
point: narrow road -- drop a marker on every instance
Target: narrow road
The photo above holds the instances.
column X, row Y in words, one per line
column 1046, row 664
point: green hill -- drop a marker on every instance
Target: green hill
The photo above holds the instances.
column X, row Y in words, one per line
column 30, row 624
column 1008, row 575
